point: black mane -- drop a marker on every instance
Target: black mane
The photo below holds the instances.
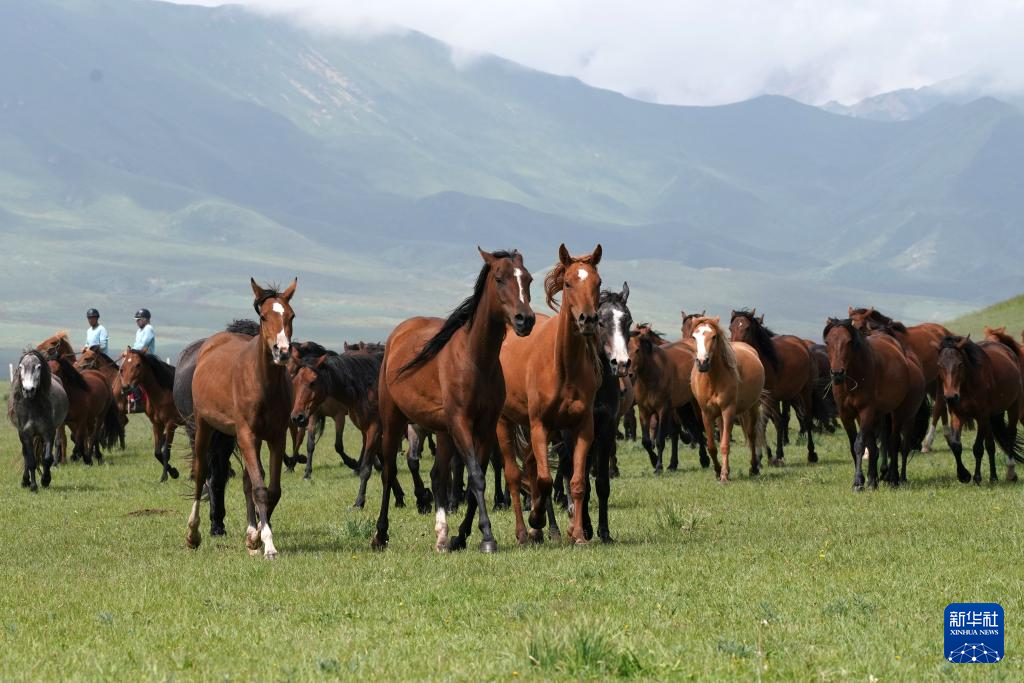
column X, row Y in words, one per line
column 762, row 338
column 350, row 377
column 972, row 353
column 249, row 328
column 69, row 374
column 462, row 315
column 103, row 356
column 163, row 372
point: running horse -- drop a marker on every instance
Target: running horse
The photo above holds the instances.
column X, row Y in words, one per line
column 445, row 377
column 37, row 406
column 790, row 376
column 923, row 340
column 728, row 385
column 552, row 380
column 241, row 388
column 91, row 358
column 141, row 369
column 92, row 415
column 983, row 382
column 879, row 390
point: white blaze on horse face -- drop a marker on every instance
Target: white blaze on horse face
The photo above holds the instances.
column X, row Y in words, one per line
column 620, row 353
column 278, row 308
column 282, row 338
column 28, row 379
column 701, row 335
column 582, row 274
column 518, row 272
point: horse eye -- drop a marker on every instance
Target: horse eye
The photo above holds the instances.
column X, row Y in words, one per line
column 499, row 280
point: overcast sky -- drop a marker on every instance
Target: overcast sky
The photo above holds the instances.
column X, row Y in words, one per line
column 712, row 51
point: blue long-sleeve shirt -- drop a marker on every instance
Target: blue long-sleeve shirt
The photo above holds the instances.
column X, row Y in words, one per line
column 145, row 340
column 97, row 336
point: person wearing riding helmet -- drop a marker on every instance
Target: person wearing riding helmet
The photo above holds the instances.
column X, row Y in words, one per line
column 145, row 337
column 145, row 341
column 96, row 335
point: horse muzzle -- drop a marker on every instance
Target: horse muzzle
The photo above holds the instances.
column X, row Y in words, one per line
column 703, row 365
column 300, row 419
column 621, row 369
column 953, row 400
column 587, row 324
column 838, row 376
column 280, row 357
column 522, row 325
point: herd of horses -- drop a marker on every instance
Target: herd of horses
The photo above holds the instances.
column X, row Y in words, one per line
column 496, row 383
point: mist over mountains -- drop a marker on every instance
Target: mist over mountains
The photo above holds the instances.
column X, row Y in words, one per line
column 157, row 155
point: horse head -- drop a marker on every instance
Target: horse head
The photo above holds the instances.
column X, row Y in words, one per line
column 614, row 321
column 707, row 333
column 578, row 280
column 276, row 316
column 509, row 282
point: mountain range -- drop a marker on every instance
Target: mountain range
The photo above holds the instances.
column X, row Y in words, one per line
column 158, row 155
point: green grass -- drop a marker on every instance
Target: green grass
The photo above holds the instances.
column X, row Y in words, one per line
column 1009, row 313
column 787, row 577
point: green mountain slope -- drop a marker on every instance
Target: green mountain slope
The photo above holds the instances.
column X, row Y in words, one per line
column 1009, row 313
column 156, row 154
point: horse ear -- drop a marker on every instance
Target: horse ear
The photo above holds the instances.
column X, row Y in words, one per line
column 849, row 312
column 595, row 256
column 563, row 255
column 733, row 313
column 486, row 256
column 716, row 320
column 760, row 318
column 257, row 291
column 321, row 360
column 290, row 292
column 704, row 311
column 625, row 292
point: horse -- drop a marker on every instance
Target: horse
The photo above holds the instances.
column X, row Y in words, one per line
column 36, row 407
column 221, row 445
column 552, row 380
column 91, row 358
column 662, row 389
column 879, row 389
column 728, row 382
column 57, row 346
column 983, row 382
column 923, row 340
column 627, row 411
column 790, row 376
column 240, row 387
column 92, row 415
column 687, row 322
column 141, row 369
column 445, row 376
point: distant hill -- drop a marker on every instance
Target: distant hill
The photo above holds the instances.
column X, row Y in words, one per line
column 1009, row 313
column 156, row 154
column 909, row 103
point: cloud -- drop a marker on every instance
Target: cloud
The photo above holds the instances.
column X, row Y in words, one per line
column 697, row 52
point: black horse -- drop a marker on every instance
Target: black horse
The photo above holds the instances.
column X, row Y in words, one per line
column 221, row 445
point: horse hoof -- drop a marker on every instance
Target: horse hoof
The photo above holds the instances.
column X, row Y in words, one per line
column 457, row 543
column 289, row 468
column 536, row 535
column 308, row 476
column 705, row 462
column 299, row 459
column 755, row 471
column 605, row 537
column 163, row 477
column 46, row 480
column 488, row 546
column 218, row 530
column 174, row 473
column 193, row 539
column 379, row 541
column 1011, row 477
column 925, row 449
column 658, row 470
column 555, row 536
column 399, row 502
column 24, row 483
column 270, row 555
column 673, row 467
column 964, row 477
column 812, row 457
column 34, row 488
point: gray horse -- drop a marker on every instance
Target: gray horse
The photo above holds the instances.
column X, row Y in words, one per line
column 37, row 407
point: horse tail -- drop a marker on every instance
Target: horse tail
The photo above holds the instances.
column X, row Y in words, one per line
column 823, row 404
column 690, row 420
column 112, row 431
column 922, row 420
column 318, row 429
column 1012, row 444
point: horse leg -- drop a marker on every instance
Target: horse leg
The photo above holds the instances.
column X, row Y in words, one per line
column 339, row 443
column 577, row 486
column 1011, row 424
column 673, row 464
column 604, row 452
column 663, row 426
column 857, row 440
column 645, row 440
column 955, row 442
column 783, row 424
column 277, row 447
column 424, row 497
column 709, row 437
column 781, row 436
column 540, row 481
column 749, row 424
column 169, row 430
column 365, row 470
column 499, row 494
column 513, row 476
column 441, row 476
column 554, row 533
column 938, row 413
column 458, row 493
column 725, row 443
column 297, row 433
column 28, row 452
column 310, row 446
column 47, row 461
column 203, row 433
column 990, row 446
column 219, row 464
column 979, row 449
column 249, row 446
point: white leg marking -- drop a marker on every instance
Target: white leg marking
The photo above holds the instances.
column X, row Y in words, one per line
column 269, row 551
column 441, row 529
column 926, row 445
column 193, row 518
column 519, row 279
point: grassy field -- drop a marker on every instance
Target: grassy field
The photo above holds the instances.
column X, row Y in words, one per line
column 787, row 577
column 1009, row 313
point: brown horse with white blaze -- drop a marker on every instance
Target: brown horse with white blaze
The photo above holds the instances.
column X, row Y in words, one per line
column 728, row 382
column 141, row 369
column 552, row 379
column 241, row 388
column 445, row 377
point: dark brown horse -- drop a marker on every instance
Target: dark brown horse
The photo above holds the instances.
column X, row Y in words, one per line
column 790, row 376
column 92, row 416
column 241, row 388
column 445, row 377
column 552, row 379
column 141, row 369
column 923, row 340
column 687, row 322
column 91, row 358
column 879, row 390
column 983, row 382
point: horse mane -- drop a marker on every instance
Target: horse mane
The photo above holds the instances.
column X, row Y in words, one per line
column 249, row 328
column 645, row 328
column 351, row 376
column 45, row 376
column 163, row 372
column 96, row 350
column 70, row 374
column 973, row 355
column 762, row 338
column 607, row 297
column 728, row 353
column 999, row 334
column 890, row 329
column 878, row 320
column 462, row 315
column 311, row 349
column 857, row 337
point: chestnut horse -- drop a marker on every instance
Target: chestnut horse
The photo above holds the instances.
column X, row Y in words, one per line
column 728, row 383
column 445, row 377
column 57, row 346
column 92, row 416
column 91, row 358
column 241, row 388
column 983, row 382
column 552, row 380
column 141, row 369
column 790, row 376
column 662, row 389
column 923, row 340
column 879, row 389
